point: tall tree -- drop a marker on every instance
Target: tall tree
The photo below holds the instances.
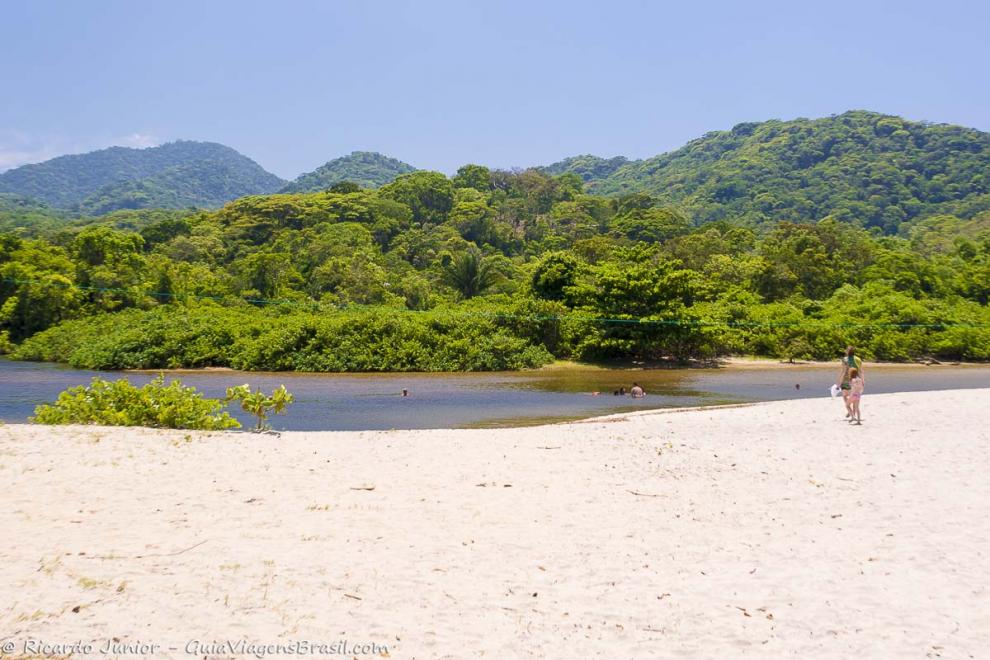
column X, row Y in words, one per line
column 470, row 273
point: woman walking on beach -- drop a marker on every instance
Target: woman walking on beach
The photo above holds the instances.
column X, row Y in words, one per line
column 850, row 362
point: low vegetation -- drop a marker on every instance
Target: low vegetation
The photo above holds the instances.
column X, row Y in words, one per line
column 259, row 404
column 119, row 403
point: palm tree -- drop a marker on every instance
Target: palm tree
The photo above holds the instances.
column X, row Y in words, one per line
column 470, row 273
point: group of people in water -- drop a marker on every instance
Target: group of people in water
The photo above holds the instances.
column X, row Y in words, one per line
column 636, row 391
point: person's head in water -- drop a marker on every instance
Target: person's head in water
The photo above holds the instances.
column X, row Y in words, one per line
column 622, row 390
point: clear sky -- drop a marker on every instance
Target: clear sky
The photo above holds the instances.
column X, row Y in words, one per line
column 293, row 84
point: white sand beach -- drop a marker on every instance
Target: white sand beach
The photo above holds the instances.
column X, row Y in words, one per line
column 771, row 530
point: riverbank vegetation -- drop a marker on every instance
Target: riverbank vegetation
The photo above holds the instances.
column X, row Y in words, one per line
column 159, row 404
column 119, row 403
column 488, row 270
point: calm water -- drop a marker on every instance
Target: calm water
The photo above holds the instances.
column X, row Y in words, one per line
column 373, row 401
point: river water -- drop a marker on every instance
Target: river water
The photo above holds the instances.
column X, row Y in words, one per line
column 328, row 402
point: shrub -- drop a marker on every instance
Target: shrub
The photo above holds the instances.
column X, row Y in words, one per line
column 503, row 333
column 173, row 336
column 119, row 403
column 260, row 405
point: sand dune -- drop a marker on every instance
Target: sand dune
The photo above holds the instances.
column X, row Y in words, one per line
column 760, row 531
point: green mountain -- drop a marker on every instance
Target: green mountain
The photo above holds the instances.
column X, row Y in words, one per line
column 862, row 167
column 869, row 168
column 176, row 174
column 365, row 168
column 202, row 183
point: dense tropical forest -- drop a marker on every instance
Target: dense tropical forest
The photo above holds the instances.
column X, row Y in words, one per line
column 491, row 269
column 860, row 167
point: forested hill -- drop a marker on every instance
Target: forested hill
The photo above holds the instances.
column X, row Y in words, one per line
column 200, row 184
column 365, row 168
column 173, row 175
column 868, row 168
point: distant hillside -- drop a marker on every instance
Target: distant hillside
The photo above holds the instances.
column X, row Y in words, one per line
column 25, row 215
column 202, row 184
column 176, row 174
column 588, row 167
column 365, row 168
column 860, row 167
column 864, row 167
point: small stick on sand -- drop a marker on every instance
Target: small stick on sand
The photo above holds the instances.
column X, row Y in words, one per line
column 642, row 494
column 166, row 554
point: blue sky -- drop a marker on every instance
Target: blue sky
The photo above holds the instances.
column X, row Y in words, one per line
column 438, row 84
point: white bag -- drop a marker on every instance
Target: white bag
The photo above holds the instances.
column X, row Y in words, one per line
column 835, row 390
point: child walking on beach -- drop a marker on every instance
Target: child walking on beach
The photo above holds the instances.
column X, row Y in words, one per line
column 849, row 361
column 856, row 387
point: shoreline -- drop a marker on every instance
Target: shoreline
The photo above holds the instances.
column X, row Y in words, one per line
column 569, row 365
column 748, row 362
column 756, row 530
